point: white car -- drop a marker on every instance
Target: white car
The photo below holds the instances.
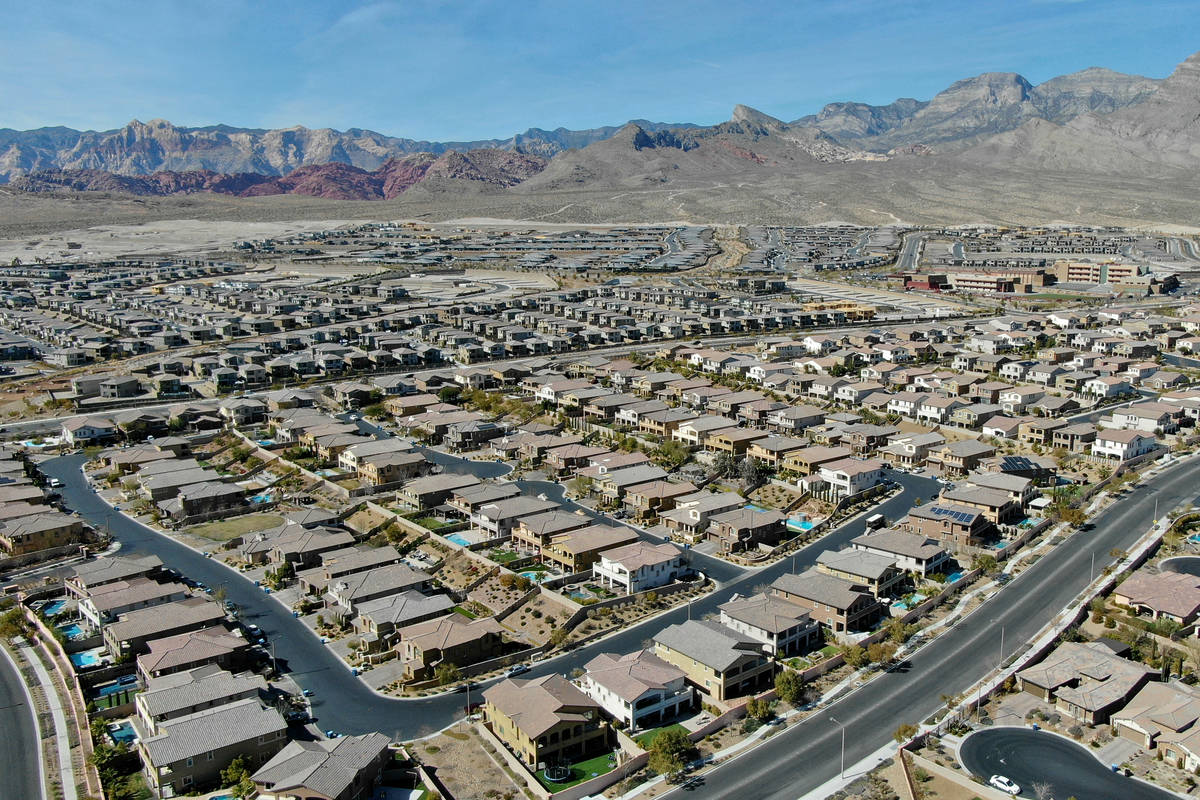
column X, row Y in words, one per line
column 1004, row 784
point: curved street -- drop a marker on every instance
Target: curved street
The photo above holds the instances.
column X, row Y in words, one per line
column 1029, row 757
column 22, row 776
column 342, row 702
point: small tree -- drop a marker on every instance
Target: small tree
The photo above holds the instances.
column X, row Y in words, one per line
column 905, row 732
column 1042, row 790
column 1075, row 517
column 789, row 686
column 237, row 777
column 854, row 655
column 985, row 563
column 881, row 652
column 446, row 673
column 761, row 710
column 670, row 752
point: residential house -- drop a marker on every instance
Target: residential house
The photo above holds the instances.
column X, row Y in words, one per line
column 1161, row 595
column 720, row 662
column 577, row 550
column 840, row 605
column 954, row 526
column 450, row 639
column 1122, row 445
column 640, row 566
column 638, row 689
column 188, row 753
column 1085, row 681
column 877, row 572
column 545, row 721
column 345, row 768
column 911, row 552
column 784, row 628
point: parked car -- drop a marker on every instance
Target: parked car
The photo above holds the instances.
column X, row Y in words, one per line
column 1004, row 784
column 517, row 669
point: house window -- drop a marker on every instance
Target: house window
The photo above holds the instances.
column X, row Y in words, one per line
column 189, row 762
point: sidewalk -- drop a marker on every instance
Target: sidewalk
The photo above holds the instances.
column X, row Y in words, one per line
column 62, row 738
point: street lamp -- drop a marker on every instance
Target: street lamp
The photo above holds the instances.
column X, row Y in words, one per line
column 842, row 767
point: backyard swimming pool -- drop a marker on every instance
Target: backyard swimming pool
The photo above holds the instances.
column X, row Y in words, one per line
column 800, row 524
column 536, row 577
column 122, row 732
column 53, row 607
column 261, row 498
column 72, row 631
column 458, row 538
column 88, row 658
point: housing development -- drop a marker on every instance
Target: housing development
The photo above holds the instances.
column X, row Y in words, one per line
column 406, row 510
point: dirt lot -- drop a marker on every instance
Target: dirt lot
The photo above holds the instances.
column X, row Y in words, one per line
column 225, row 529
column 536, row 617
column 460, row 762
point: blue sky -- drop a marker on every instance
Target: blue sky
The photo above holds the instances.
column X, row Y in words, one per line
column 468, row 69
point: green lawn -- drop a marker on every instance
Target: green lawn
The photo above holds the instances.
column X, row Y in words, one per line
column 504, row 556
column 646, row 739
column 583, row 771
column 222, row 530
column 464, row 612
column 115, row 699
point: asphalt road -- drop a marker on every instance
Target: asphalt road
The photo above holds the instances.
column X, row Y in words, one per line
column 342, row 702
column 800, row 758
column 21, row 777
column 1030, row 757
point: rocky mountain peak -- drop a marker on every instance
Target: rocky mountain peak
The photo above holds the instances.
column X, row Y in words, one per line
column 752, row 117
column 990, row 88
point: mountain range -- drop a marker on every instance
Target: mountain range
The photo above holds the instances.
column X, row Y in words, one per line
column 1090, row 128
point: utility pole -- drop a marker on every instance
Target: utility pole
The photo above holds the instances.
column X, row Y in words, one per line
column 842, row 768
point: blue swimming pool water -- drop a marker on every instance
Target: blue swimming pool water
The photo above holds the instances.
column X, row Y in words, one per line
column 536, row 577
column 114, row 688
column 458, row 538
column 800, row 524
column 122, row 732
column 953, row 577
column 579, row 596
column 88, row 658
column 752, row 507
column 53, row 607
column 266, row 442
column 261, row 498
column 328, row 473
column 72, row 631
